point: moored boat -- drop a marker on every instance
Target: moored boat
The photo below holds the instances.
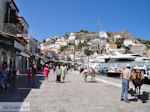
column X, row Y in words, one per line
column 112, row 71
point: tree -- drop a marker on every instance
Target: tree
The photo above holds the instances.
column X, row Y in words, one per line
column 80, row 45
column 109, row 34
column 139, row 39
column 145, row 42
column 127, row 48
column 63, row 48
column 107, row 40
column 43, row 41
column 119, row 42
column 85, row 31
column 87, row 52
column 88, row 39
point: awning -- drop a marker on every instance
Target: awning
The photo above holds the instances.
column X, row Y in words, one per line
column 24, row 54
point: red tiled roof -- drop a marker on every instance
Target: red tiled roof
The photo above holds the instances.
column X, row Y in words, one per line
column 46, row 50
column 22, row 38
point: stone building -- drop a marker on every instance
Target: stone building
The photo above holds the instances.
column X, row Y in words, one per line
column 139, row 49
column 8, row 12
column 112, row 45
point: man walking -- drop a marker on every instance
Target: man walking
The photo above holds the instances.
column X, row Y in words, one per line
column 125, row 83
column 63, row 71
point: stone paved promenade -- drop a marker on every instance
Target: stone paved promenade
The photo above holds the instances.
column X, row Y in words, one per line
column 77, row 96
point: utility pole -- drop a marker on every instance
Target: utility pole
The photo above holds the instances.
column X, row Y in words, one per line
column 100, row 34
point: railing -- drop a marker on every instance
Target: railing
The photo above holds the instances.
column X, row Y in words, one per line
column 11, row 28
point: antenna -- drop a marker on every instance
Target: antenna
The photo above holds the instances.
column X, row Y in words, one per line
column 99, row 24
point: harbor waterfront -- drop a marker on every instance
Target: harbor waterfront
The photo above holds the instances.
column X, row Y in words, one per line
column 74, row 56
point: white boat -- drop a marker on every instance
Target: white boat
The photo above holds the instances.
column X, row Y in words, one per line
column 114, row 71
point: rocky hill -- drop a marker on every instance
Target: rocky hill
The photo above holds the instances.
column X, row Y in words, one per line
column 123, row 33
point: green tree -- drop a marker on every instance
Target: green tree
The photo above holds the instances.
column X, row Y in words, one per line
column 43, row 41
column 85, row 43
column 119, row 42
column 109, row 34
column 107, row 40
column 127, row 48
column 139, row 39
column 88, row 39
column 63, row 48
column 85, row 31
column 80, row 45
column 88, row 52
column 145, row 42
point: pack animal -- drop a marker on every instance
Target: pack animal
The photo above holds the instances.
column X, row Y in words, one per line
column 87, row 73
column 137, row 81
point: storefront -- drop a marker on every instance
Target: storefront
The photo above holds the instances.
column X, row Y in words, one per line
column 10, row 47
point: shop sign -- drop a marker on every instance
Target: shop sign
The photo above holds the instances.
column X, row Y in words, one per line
column 24, row 54
column 19, row 46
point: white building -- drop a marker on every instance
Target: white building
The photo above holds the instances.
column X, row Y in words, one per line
column 64, row 43
column 48, row 39
column 82, row 41
column 77, row 42
column 103, row 34
column 117, row 36
column 72, row 36
column 129, row 42
column 58, row 41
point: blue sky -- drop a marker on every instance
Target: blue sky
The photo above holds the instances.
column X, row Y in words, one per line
column 48, row 18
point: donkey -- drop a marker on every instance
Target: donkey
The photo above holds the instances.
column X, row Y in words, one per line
column 137, row 80
column 87, row 73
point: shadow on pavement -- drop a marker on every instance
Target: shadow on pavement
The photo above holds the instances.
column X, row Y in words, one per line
column 92, row 82
column 146, row 81
column 144, row 97
column 19, row 91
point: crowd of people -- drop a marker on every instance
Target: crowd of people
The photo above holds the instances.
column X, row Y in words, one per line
column 59, row 70
column 8, row 77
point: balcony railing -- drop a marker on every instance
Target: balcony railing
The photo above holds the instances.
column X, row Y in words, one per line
column 11, row 28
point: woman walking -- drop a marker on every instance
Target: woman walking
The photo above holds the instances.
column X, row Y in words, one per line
column 29, row 76
column 34, row 71
column 46, row 71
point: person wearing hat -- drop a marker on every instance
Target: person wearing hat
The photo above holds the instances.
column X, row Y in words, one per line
column 46, row 71
column 125, row 83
